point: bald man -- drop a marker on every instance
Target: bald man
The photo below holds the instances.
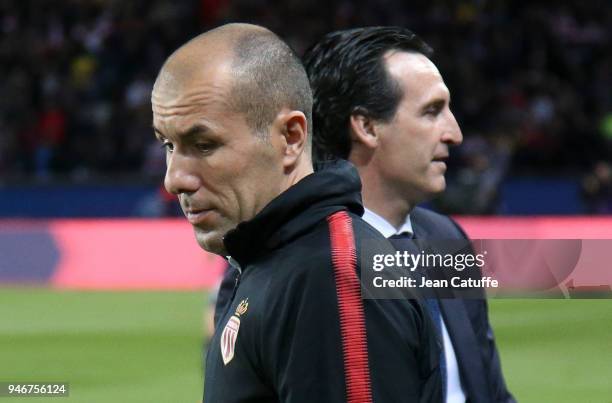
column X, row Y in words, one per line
column 232, row 107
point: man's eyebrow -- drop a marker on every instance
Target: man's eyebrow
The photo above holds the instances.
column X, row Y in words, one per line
column 188, row 134
column 194, row 131
column 436, row 102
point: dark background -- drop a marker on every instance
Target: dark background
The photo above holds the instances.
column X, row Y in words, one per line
column 531, row 86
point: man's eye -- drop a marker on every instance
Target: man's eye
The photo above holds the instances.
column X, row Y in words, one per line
column 168, row 146
column 432, row 111
column 205, row 148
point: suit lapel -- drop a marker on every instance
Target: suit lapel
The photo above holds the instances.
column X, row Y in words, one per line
column 471, row 368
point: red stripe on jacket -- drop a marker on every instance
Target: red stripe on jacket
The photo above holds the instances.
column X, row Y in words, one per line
column 350, row 306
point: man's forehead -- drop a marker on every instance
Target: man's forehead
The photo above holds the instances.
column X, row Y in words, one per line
column 206, row 86
column 418, row 76
column 181, row 103
column 402, row 63
column 179, row 111
column 166, row 82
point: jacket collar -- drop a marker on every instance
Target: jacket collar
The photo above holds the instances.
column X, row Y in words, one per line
column 334, row 186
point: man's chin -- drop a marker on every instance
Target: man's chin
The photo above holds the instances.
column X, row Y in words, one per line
column 210, row 241
column 434, row 188
column 438, row 190
column 438, row 185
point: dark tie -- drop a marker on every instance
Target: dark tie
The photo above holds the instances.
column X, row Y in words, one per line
column 402, row 242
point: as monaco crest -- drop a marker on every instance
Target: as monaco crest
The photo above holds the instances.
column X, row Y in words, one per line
column 230, row 332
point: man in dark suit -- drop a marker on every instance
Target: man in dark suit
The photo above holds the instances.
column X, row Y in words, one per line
column 380, row 102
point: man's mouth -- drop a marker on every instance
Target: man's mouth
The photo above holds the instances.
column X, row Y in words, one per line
column 198, row 216
column 440, row 158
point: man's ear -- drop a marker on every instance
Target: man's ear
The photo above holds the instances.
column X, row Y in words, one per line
column 363, row 131
column 293, row 128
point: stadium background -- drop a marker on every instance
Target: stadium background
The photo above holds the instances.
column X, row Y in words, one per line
column 102, row 288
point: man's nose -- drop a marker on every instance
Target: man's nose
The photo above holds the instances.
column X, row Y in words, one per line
column 181, row 175
column 452, row 133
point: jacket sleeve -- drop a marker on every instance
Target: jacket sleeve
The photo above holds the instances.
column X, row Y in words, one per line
column 487, row 341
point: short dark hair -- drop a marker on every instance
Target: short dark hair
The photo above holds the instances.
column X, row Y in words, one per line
column 347, row 75
column 268, row 76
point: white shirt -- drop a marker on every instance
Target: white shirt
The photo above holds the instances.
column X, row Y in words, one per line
column 454, row 390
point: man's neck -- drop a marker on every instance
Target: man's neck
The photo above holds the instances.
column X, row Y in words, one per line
column 394, row 212
column 384, row 200
column 391, row 208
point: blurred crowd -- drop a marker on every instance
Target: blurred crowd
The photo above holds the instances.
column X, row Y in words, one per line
column 531, row 82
